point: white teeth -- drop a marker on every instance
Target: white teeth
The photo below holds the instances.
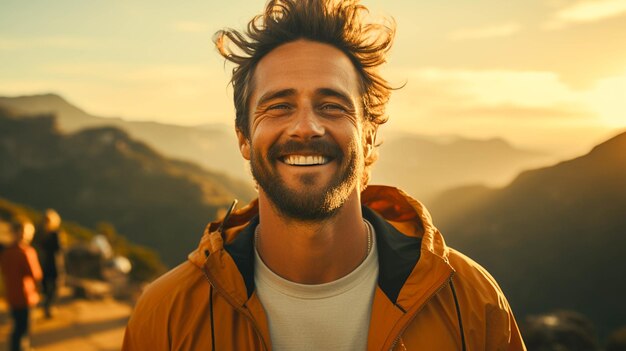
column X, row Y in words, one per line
column 301, row 160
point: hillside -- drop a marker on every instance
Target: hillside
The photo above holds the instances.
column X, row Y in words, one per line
column 212, row 146
column 554, row 238
column 423, row 166
column 103, row 174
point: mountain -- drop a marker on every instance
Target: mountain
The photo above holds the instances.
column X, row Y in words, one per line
column 555, row 238
column 213, row 146
column 421, row 165
column 103, row 174
column 73, row 118
column 426, row 166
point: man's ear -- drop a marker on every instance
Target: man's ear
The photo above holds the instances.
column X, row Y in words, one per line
column 369, row 140
column 244, row 144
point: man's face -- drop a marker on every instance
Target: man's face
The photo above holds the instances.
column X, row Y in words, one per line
column 306, row 145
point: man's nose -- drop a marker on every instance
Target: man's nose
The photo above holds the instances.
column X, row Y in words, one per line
column 306, row 125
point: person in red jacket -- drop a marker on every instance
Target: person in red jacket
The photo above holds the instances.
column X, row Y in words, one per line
column 21, row 272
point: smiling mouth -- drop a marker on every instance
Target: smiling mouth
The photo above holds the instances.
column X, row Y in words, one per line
column 305, row 160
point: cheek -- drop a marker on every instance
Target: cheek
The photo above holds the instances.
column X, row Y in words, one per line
column 261, row 136
column 351, row 137
column 262, row 139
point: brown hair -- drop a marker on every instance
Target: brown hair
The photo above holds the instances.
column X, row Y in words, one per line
column 335, row 22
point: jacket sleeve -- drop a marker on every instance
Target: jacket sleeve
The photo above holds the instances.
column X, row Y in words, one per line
column 494, row 325
column 147, row 328
column 515, row 342
column 504, row 334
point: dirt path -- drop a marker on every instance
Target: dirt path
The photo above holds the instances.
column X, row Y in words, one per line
column 96, row 325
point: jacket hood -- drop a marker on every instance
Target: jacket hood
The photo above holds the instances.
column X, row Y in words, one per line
column 411, row 251
column 407, row 215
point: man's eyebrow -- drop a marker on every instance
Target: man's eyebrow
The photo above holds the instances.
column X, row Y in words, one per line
column 337, row 94
column 275, row 94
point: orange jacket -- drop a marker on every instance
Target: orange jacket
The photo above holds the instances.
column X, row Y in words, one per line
column 414, row 307
column 21, row 271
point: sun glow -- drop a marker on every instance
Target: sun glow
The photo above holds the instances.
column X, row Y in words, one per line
column 608, row 100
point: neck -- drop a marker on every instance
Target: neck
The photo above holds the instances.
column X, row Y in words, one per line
column 312, row 252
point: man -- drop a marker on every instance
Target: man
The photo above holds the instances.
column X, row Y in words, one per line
column 319, row 261
column 20, row 272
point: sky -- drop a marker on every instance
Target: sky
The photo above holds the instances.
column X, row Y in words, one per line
column 542, row 74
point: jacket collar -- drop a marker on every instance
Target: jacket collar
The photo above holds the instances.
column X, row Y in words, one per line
column 404, row 235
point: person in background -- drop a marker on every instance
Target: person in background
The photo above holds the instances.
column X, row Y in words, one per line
column 49, row 243
column 21, row 271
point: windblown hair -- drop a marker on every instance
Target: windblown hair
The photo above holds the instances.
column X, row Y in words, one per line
column 335, row 22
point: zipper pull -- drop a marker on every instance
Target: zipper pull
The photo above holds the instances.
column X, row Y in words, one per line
column 216, row 242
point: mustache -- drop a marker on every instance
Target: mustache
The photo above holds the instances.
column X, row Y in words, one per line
column 316, row 146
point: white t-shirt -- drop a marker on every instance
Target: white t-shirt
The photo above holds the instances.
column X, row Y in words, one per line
column 330, row 316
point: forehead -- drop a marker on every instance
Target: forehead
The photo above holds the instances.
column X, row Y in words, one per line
column 305, row 66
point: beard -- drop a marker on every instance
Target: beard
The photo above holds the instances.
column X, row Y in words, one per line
column 309, row 202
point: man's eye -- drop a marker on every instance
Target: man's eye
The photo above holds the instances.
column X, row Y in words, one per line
column 279, row 107
column 333, row 108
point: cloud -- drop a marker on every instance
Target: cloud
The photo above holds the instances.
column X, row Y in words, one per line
column 128, row 73
column 171, row 72
column 445, row 99
column 493, row 87
column 54, row 42
column 510, row 111
column 191, row 27
column 174, row 93
column 100, row 70
column 607, row 99
column 586, row 11
column 494, row 31
column 531, row 108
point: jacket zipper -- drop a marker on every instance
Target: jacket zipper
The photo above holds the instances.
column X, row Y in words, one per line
column 445, row 283
column 239, row 309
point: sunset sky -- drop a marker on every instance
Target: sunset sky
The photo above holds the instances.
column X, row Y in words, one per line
column 544, row 74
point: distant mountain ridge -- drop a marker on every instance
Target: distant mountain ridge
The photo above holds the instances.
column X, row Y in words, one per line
column 103, row 174
column 554, row 238
column 425, row 167
column 421, row 165
column 213, row 146
column 73, row 117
